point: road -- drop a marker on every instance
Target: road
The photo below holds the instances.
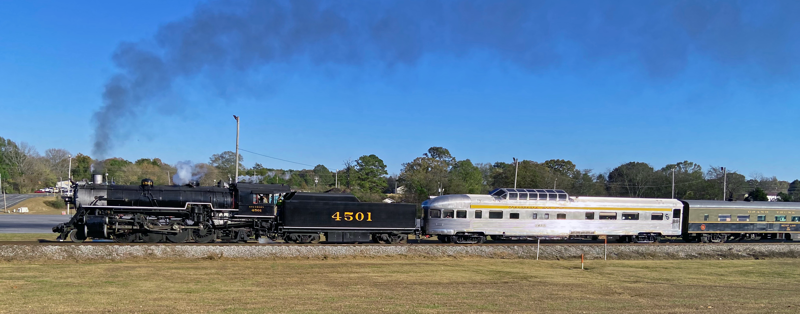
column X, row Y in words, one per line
column 21, row 223
column 14, row 199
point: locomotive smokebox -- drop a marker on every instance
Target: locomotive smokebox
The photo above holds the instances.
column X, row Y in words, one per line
column 147, row 183
column 97, row 179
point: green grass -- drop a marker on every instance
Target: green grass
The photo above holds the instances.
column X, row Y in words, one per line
column 401, row 286
column 27, row 236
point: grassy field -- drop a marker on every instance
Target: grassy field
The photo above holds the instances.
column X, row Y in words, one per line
column 401, row 286
column 27, row 236
column 39, row 206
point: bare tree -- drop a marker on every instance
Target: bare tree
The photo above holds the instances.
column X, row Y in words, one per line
column 58, row 161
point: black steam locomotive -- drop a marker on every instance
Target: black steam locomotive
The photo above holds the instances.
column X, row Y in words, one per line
column 235, row 213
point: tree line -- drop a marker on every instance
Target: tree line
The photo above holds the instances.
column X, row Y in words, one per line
column 435, row 172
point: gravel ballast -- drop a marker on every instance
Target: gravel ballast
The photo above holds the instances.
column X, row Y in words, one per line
column 546, row 252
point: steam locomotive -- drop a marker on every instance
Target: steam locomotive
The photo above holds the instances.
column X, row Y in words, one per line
column 230, row 213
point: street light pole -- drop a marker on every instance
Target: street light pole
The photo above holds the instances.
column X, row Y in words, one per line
column 516, row 170
column 237, row 147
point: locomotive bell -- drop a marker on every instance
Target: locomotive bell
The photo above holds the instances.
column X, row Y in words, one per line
column 147, row 183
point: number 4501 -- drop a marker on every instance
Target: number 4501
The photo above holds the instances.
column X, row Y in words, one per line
column 350, row 216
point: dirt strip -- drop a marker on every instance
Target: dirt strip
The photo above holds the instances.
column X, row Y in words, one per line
column 549, row 252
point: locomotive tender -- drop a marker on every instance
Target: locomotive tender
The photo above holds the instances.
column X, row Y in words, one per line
column 235, row 213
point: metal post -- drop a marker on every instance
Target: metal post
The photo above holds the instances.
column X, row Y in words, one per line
column 724, row 184
column 69, row 178
column 581, row 261
column 538, row 241
column 4, row 193
column 673, row 181
column 516, row 170
column 605, row 248
column 237, row 147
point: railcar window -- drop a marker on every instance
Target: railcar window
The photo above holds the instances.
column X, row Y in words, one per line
column 435, row 213
column 478, row 214
column 535, row 215
column 461, row 214
column 513, row 215
column 676, row 213
column 630, row 216
column 724, row 217
column 658, row 216
column 795, row 218
column 448, row 213
column 561, row 216
column 589, row 215
column 762, row 217
column 705, row 217
column 495, row 215
column 608, row 216
column 513, row 196
column 743, row 218
column 562, row 197
column 523, row 196
column 546, row 215
column 780, row 218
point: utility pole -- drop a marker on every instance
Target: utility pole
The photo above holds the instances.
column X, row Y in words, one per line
column 69, row 178
column 4, row 193
column 724, row 184
column 516, row 170
column 337, row 178
column 673, row 181
column 554, row 183
column 237, row 147
column 169, row 180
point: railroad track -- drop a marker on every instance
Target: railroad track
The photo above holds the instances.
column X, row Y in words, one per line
column 411, row 243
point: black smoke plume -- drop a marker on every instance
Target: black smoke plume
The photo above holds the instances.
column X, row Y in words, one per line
column 656, row 38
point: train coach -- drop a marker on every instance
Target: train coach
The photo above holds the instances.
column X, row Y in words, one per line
column 720, row 221
column 550, row 214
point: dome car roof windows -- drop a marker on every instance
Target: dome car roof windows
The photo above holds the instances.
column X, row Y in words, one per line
column 529, row 194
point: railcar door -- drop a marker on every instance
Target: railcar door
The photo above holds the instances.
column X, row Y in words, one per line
column 676, row 219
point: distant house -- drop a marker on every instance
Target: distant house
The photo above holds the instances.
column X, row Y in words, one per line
column 773, row 197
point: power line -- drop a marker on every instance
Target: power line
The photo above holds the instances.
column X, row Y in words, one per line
column 276, row 158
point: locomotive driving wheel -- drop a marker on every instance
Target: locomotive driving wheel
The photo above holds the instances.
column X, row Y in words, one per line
column 181, row 236
column 125, row 237
column 152, row 237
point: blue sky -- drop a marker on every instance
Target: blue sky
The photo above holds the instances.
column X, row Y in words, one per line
column 599, row 85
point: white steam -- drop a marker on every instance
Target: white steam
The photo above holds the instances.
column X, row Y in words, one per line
column 187, row 172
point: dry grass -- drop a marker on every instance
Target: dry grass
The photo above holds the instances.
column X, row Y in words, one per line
column 398, row 286
column 27, row 236
column 38, row 206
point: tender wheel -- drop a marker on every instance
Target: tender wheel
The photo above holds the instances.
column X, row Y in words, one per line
column 77, row 237
column 398, row 238
column 444, row 239
column 125, row 237
column 152, row 237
